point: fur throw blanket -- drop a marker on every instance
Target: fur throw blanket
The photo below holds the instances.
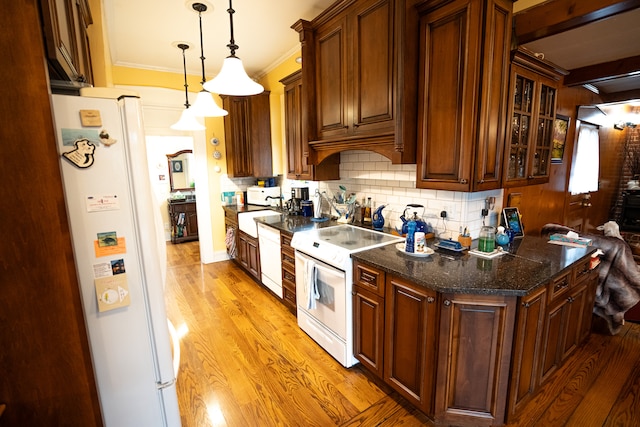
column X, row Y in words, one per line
column 619, row 277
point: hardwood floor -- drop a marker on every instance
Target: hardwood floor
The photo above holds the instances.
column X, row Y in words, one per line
column 245, row 362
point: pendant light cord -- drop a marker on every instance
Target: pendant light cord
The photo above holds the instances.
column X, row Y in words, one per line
column 184, row 65
column 232, row 43
column 201, row 8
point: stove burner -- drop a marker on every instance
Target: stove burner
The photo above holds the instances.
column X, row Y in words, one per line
column 348, row 242
column 375, row 237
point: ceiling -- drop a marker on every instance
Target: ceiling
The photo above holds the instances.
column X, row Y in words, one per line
column 144, row 34
column 604, row 52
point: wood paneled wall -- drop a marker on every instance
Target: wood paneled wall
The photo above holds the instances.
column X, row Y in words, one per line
column 45, row 365
column 546, row 203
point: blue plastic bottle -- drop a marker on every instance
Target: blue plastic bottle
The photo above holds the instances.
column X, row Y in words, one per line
column 410, row 241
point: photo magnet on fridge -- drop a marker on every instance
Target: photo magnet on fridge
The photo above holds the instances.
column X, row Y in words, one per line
column 82, row 155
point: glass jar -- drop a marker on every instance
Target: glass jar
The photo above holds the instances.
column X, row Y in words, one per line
column 487, row 239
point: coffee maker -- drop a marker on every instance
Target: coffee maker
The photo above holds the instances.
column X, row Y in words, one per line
column 298, row 194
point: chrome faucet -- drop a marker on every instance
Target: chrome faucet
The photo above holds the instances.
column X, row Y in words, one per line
column 279, row 198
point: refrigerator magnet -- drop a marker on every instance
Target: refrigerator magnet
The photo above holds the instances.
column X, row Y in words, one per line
column 90, row 118
column 105, row 139
column 82, row 155
column 112, row 292
column 108, row 238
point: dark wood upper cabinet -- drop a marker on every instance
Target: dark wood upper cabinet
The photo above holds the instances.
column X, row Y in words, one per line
column 359, row 79
column 64, row 25
column 463, row 87
column 298, row 166
column 247, row 130
column 532, row 109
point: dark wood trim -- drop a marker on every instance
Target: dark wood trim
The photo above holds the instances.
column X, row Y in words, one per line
column 620, row 96
column 603, row 72
column 556, row 16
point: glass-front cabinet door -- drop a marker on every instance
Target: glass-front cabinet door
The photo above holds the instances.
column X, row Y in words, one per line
column 530, row 134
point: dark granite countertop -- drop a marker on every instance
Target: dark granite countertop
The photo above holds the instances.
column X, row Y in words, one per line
column 288, row 223
column 530, row 263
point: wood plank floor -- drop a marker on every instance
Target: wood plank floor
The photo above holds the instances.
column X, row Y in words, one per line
column 245, row 362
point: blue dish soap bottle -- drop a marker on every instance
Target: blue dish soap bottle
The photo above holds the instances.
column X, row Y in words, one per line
column 410, row 242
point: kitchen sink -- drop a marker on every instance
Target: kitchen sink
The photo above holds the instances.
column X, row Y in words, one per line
column 248, row 225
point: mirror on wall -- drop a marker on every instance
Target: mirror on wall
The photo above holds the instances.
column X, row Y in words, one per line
column 180, row 170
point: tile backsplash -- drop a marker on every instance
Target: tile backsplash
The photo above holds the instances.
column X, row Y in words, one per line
column 369, row 174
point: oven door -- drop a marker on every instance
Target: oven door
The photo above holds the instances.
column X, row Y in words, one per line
column 330, row 307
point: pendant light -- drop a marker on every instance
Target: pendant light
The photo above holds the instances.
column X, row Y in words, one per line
column 187, row 119
column 205, row 105
column 232, row 79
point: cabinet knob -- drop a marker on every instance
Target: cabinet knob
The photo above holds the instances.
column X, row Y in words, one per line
column 464, row 181
column 481, row 181
column 447, row 302
column 430, row 300
column 530, row 177
column 526, row 304
column 354, row 293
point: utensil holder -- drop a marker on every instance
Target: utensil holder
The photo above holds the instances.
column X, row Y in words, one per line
column 465, row 240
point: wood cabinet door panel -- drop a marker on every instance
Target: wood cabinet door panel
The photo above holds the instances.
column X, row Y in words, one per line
column 237, row 147
column 368, row 312
column 253, row 258
column 476, row 334
column 576, row 305
column 553, row 332
column 372, row 54
column 493, row 106
column 409, row 353
column 247, row 130
column 65, row 25
column 448, row 94
column 527, row 349
column 331, row 79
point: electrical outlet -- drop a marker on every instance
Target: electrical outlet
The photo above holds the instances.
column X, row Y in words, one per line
column 443, row 214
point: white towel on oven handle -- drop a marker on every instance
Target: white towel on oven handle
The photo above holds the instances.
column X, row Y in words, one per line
column 311, row 283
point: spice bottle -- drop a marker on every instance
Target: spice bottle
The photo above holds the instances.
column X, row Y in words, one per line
column 367, row 212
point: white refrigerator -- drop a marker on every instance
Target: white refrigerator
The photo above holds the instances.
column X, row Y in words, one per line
column 120, row 257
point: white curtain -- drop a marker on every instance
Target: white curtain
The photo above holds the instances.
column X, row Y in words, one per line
column 586, row 167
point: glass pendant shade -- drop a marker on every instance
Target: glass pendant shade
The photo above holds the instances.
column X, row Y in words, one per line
column 206, row 106
column 187, row 122
column 233, row 80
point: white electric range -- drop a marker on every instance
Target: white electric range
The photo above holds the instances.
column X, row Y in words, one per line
column 324, row 280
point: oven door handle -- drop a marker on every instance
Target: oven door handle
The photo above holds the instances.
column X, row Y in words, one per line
column 322, row 265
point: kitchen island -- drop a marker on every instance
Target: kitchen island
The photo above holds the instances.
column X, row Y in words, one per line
column 470, row 340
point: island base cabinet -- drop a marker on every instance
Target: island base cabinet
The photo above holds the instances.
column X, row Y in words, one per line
column 410, row 339
column 476, row 334
column 527, row 348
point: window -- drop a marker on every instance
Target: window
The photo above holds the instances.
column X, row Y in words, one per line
column 586, row 166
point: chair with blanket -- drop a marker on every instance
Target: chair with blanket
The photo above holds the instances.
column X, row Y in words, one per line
column 618, row 279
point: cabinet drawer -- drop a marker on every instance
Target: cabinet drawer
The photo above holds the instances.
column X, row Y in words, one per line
column 369, row 278
column 288, row 262
column 560, row 285
column 290, row 278
column 582, row 271
column 285, row 240
column 289, row 295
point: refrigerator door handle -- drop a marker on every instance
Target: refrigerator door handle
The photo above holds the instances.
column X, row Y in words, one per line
column 165, row 384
